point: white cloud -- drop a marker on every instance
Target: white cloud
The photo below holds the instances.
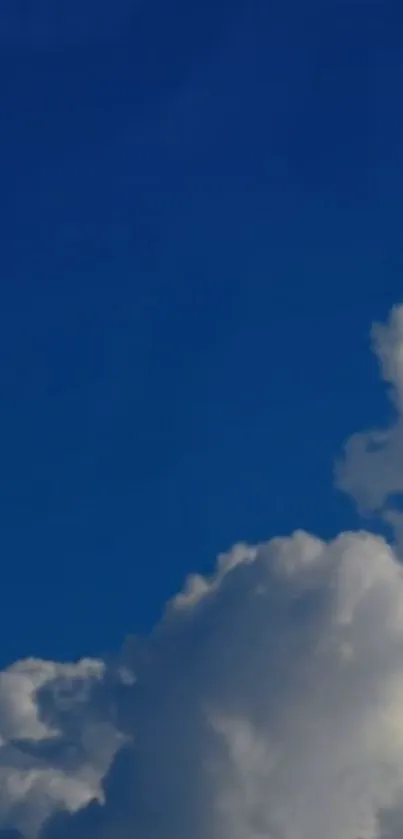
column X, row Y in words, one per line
column 55, row 747
column 266, row 704
column 372, row 470
column 271, row 704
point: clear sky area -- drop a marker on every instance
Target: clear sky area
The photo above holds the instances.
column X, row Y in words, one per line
column 200, row 222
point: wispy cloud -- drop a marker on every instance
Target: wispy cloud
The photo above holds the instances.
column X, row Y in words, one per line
column 371, row 470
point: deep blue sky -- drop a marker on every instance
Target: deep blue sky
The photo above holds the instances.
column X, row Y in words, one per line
column 201, row 216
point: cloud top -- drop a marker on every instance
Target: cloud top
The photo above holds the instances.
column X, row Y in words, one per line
column 55, row 743
column 266, row 704
column 269, row 705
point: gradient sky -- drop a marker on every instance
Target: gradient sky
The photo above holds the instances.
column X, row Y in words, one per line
column 200, row 219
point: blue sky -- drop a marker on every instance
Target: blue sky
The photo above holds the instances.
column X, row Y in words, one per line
column 201, row 218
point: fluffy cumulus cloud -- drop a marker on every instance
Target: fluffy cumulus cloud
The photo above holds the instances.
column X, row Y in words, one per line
column 266, row 704
column 57, row 739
